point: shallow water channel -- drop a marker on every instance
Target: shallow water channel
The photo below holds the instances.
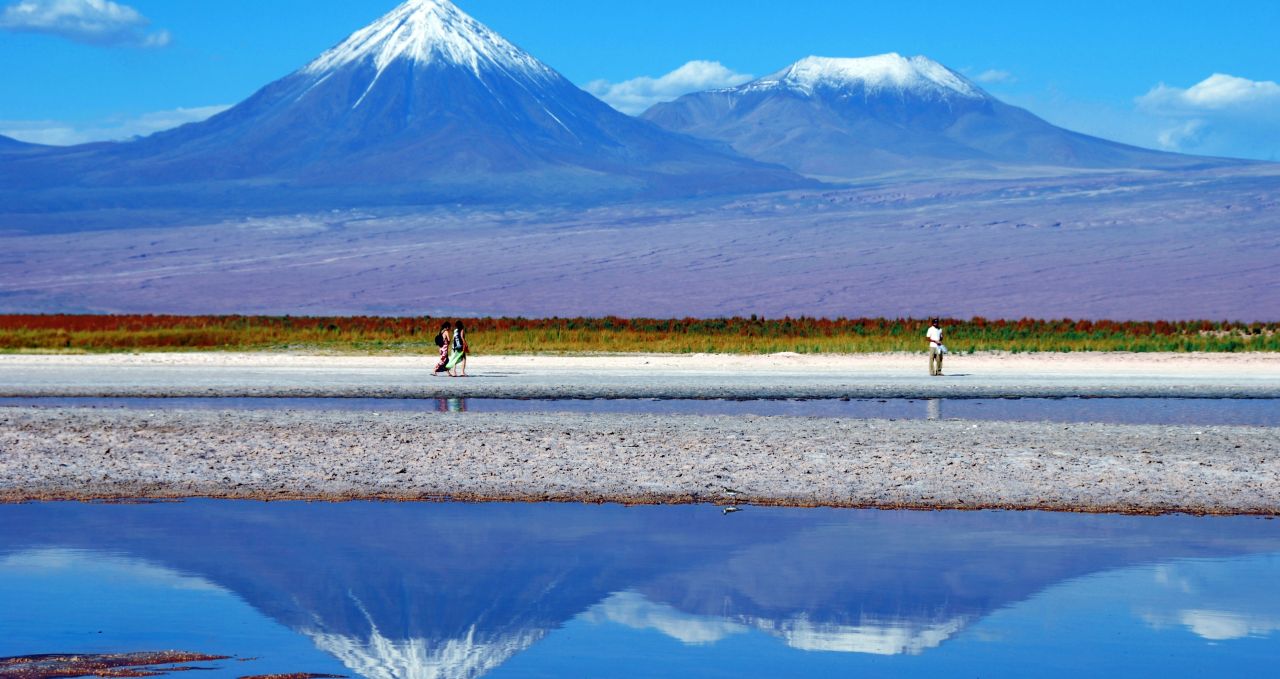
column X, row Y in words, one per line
column 516, row 590
column 1189, row 411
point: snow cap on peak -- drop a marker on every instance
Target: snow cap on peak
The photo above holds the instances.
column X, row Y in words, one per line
column 881, row 72
column 427, row 31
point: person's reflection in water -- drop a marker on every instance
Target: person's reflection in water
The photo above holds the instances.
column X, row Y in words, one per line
column 451, row 405
column 934, row 406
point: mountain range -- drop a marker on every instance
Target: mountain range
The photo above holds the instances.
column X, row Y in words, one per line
column 427, row 105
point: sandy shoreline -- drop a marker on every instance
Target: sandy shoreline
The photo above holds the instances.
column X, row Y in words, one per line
column 336, row 455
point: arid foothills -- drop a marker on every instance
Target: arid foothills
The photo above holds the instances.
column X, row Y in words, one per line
column 819, row 190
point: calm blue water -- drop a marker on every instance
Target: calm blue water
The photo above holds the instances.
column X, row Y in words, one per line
column 448, row 590
column 1192, row 411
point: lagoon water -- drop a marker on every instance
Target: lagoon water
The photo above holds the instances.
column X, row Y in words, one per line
column 1258, row 412
column 517, row 590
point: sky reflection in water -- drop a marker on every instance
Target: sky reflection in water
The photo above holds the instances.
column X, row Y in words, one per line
column 414, row 590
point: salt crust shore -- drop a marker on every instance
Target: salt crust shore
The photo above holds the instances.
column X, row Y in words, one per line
column 336, row 455
column 644, row 376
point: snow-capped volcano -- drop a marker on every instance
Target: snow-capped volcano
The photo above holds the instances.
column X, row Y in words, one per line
column 424, row 31
column 469, row 657
column 878, row 74
column 425, row 104
column 888, row 114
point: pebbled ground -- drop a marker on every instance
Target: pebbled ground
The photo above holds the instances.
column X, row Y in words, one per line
column 337, row 455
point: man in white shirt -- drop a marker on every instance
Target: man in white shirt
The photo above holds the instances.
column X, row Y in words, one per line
column 936, row 349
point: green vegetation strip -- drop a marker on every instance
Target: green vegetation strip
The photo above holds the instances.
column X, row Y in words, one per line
column 415, row 335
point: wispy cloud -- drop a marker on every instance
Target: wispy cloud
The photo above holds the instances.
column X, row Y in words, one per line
column 635, row 95
column 86, row 566
column 1219, row 111
column 1186, row 134
column 61, row 133
column 994, row 75
column 94, row 22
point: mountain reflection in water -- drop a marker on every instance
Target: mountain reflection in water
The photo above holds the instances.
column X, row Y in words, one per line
column 447, row 590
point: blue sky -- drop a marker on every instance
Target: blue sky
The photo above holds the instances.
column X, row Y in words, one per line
column 1137, row 71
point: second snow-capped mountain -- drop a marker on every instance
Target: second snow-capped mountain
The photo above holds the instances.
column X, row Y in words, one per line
column 888, row 114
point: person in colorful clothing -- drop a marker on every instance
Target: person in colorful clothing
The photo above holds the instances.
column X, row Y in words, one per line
column 443, row 340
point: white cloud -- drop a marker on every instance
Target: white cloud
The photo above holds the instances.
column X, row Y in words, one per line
column 635, row 95
column 1217, row 93
column 1220, row 114
column 1223, row 625
column 95, row 22
column 60, row 133
column 871, row 636
column 993, row 75
column 635, row 611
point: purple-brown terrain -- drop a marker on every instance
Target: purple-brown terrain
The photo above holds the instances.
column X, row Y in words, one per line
column 428, row 166
column 1167, row 245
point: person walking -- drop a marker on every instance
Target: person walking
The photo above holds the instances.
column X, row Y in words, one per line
column 458, row 351
column 936, row 347
column 443, row 340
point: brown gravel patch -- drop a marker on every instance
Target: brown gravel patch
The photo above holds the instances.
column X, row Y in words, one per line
column 296, row 675
column 101, row 665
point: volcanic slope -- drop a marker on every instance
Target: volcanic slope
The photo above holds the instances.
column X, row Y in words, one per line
column 891, row 114
column 426, row 102
column 11, row 145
